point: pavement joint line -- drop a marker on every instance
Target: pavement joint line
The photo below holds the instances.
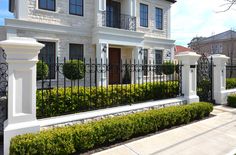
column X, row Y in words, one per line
column 131, row 149
column 190, row 138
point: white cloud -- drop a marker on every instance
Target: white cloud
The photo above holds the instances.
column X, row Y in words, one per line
column 192, row 18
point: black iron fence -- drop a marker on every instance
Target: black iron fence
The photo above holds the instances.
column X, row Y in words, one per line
column 3, row 91
column 120, row 21
column 83, row 85
column 230, row 76
column 231, row 71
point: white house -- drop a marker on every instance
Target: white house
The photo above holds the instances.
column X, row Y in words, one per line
column 104, row 29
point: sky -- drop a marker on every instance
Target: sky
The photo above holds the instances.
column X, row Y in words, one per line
column 189, row 18
column 4, row 13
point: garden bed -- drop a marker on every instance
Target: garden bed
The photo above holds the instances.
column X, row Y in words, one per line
column 83, row 137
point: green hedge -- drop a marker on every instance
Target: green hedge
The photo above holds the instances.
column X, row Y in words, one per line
column 232, row 100
column 84, row 137
column 230, row 83
column 76, row 99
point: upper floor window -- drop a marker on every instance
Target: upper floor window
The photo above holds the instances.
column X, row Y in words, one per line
column 216, row 48
column 143, row 15
column 76, row 7
column 47, row 5
column 159, row 18
column 76, row 52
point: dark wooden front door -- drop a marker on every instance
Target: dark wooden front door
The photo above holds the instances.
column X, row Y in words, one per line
column 114, row 62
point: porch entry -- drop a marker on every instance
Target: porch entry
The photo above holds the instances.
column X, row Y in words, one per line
column 114, row 65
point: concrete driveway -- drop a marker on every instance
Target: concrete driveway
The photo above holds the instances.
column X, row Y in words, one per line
column 213, row 136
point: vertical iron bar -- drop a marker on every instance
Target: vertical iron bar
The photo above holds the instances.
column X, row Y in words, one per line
column 85, row 84
column 57, row 72
column 42, row 91
column 64, row 83
column 90, row 82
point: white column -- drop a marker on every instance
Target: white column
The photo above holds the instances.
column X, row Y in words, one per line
column 22, row 56
column 102, row 51
column 21, row 11
column 100, row 6
column 133, row 8
column 219, row 78
column 189, row 75
column 137, row 55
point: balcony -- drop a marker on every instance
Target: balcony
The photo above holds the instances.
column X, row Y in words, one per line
column 120, row 21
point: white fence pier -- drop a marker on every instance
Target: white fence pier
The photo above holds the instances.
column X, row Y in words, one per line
column 22, row 56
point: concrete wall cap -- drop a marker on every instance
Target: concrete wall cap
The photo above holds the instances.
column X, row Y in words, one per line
column 21, row 42
column 188, row 53
column 218, row 56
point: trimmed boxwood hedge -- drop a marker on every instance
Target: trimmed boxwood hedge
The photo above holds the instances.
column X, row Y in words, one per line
column 83, row 137
column 232, row 100
column 77, row 99
column 230, row 83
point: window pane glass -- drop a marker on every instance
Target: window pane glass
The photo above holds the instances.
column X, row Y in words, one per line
column 76, row 51
column 72, row 9
column 51, row 4
column 42, row 4
column 48, row 55
column 76, row 7
column 143, row 15
column 159, row 18
column 79, row 2
column 47, row 4
column 73, row 2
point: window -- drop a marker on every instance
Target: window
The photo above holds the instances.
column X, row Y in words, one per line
column 76, row 51
column 47, row 5
column 113, row 17
column 159, row 18
column 48, row 55
column 158, row 61
column 143, row 15
column 76, row 7
column 216, row 48
column 145, row 61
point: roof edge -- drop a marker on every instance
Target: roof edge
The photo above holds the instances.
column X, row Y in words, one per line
column 172, row 1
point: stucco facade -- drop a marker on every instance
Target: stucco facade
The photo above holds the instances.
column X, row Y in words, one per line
column 82, row 28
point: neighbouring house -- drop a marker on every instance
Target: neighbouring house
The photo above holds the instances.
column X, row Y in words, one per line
column 179, row 49
column 223, row 43
column 111, row 30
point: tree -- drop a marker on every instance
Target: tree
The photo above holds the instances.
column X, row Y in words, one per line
column 228, row 5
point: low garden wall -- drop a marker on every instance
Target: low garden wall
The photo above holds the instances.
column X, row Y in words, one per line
column 83, row 137
column 95, row 115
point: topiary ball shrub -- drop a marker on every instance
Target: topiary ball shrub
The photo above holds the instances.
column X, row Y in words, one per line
column 168, row 68
column 42, row 70
column 74, row 69
column 232, row 100
column 230, row 83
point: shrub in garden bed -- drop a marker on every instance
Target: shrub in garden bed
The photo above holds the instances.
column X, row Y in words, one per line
column 84, row 137
column 76, row 99
column 230, row 83
column 232, row 100
column 42, row 70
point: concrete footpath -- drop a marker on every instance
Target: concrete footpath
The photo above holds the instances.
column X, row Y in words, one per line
column 213, row 136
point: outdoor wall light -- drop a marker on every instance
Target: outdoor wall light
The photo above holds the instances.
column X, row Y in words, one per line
column 141, row 51
column 104, row 48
